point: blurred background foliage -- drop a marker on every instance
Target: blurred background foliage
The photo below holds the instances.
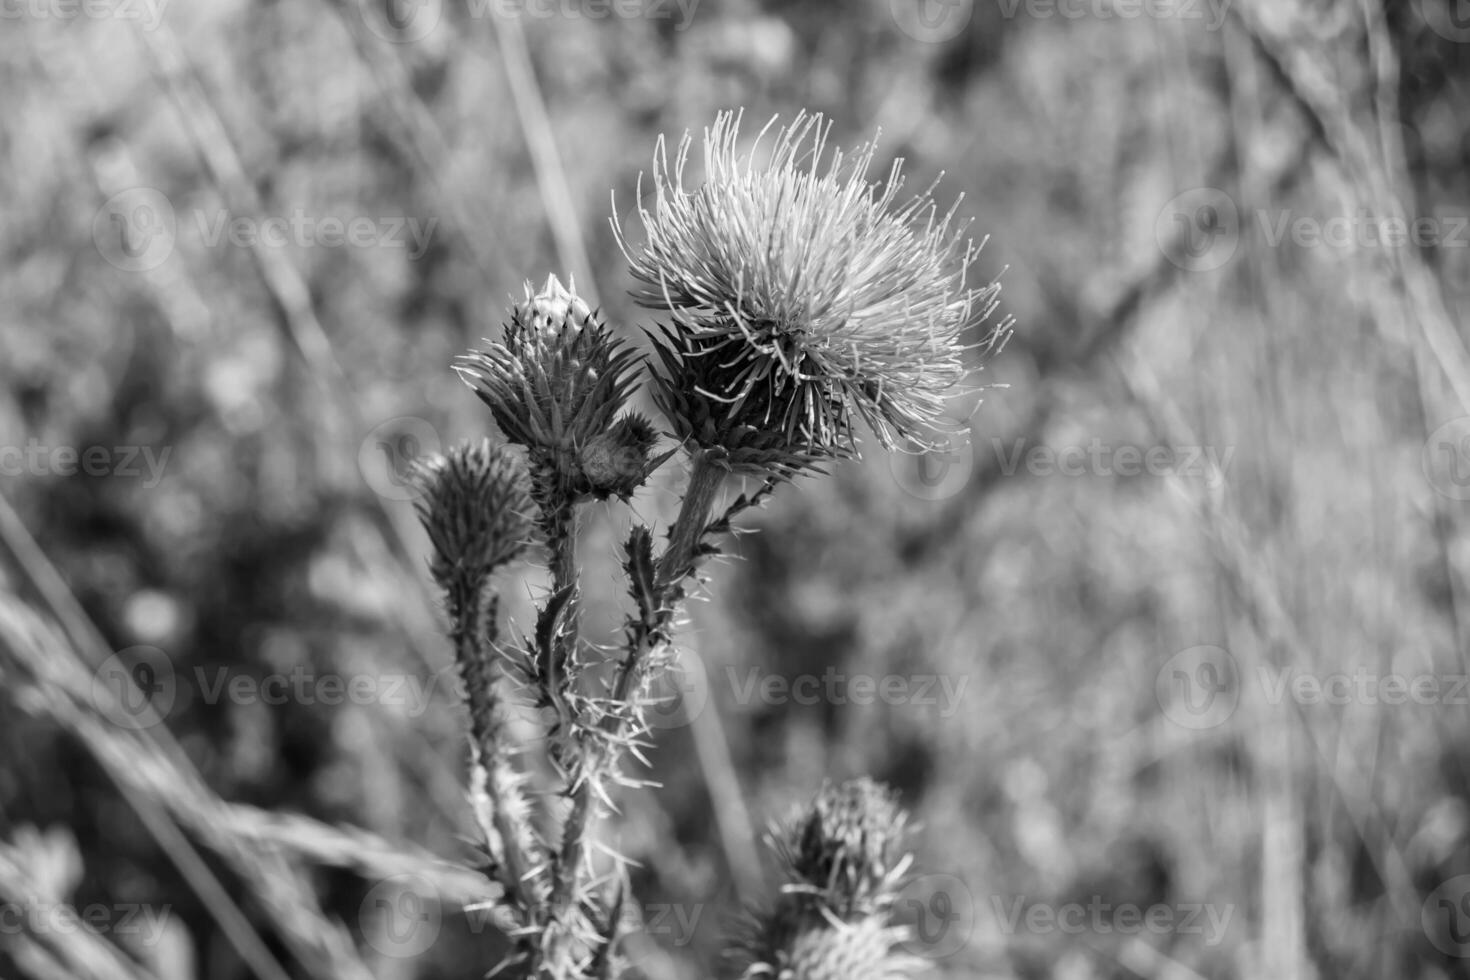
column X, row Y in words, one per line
column 271, row 376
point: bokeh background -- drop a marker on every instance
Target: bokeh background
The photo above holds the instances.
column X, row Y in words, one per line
column 1176, row 625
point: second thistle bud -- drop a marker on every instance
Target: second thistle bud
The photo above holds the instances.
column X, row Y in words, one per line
column 477, row 512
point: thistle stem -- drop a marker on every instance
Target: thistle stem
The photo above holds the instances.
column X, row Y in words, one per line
column 682, row 553
column 560, row 525
column 475, row 627
column 677, row 561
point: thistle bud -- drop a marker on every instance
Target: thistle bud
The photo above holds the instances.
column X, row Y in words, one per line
column 617, row 462
column 476, row 510
column 849, row 845
column 862, row 950
column 557, row 379
column 554, row 306
column 844, row 862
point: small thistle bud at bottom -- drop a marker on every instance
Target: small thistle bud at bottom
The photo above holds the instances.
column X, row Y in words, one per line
column 863, row 950
column 844, row 865
column 476, row 509
column 616, row 463
column 849, row 845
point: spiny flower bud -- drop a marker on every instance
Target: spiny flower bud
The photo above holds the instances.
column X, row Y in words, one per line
column 802, row 296
column 476, row 510
column 617, row 462
column 558, row 378
column 863, row 950
column 844, row 862
column 848, row 846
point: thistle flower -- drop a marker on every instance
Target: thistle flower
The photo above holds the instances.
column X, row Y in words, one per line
column 555, row 383
column 476, row 510
column 803, row 296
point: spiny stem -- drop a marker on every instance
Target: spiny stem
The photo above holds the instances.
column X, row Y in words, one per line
column 559, row 524
column 475, row 626
column 678, row 559
column 682, row 554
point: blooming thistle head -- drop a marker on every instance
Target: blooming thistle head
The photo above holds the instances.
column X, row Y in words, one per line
column 477, row 512
column 803, row 295
column 555, row 384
